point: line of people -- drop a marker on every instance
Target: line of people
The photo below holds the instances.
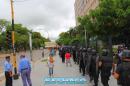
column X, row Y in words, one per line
column 93, row 64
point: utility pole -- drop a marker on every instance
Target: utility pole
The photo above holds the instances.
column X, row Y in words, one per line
column 2, row 34
column 13, row 43
column 30, row 44
column 46, row 32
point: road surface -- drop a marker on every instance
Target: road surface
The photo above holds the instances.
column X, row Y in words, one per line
column 40, row 72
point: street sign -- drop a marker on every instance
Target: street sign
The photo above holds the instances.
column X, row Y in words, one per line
column 50, row 44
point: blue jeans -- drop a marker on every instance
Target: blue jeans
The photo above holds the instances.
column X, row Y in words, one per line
column 50, row 71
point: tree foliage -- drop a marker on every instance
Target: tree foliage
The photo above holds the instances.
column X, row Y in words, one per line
column 21, row 36
column 109, row 22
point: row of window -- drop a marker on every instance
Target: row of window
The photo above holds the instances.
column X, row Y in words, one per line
column 82, row 6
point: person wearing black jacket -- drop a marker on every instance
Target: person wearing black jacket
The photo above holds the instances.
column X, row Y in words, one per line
column 94, row 67
column 106, row 67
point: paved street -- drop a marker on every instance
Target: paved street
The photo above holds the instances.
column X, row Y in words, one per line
column 94, row 32
column 40, row 71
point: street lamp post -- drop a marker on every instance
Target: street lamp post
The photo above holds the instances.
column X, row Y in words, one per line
column 30, row 44
column 2, row 35
column 48, row 34
column 45, row 31
column 13, row 43
column 85, row 37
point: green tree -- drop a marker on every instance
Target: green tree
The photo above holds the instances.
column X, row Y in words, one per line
column 21, row 36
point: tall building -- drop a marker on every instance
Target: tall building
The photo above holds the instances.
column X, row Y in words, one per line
column 82, row 7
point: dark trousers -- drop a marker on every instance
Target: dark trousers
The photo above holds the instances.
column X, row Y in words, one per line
column 82, row 67
column 96, row 76
column 63, row 59
column 105, row 75
column 74, row 58
column 8, row 78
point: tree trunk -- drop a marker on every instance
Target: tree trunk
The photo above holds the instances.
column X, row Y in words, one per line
column 96, row 44
column 110, row 47
column 88, row 42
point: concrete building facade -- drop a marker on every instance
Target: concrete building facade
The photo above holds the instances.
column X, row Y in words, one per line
column 82, row 7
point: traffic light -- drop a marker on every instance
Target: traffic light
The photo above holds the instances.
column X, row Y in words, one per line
column 9, row 39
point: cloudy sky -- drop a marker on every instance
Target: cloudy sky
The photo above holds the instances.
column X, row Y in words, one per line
column 45, row 16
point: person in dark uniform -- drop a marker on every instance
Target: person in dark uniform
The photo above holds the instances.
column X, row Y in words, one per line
column 8, row 72
column 94, row 67
column 123, row 69
column 81, row 63
column 106, row 66
column 74, row 55
column 63, row 55
column 89, row 55
column 85, row 59
column 84, row 53
column 77, row 55
column 60, row 51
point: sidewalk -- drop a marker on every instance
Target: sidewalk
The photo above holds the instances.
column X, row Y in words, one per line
column 40, row 71
column 37, row 54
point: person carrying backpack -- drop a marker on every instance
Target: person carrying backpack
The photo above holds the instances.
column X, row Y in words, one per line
column 51, row 65
column 122, row 72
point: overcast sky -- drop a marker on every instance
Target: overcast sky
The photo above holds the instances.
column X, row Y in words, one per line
column 53, row 16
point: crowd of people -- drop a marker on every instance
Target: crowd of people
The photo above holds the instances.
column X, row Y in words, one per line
column 94, row 64
column 90, row 63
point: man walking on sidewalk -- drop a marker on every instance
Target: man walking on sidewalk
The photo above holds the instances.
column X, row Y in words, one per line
column 25, row 70
column 8, row 72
